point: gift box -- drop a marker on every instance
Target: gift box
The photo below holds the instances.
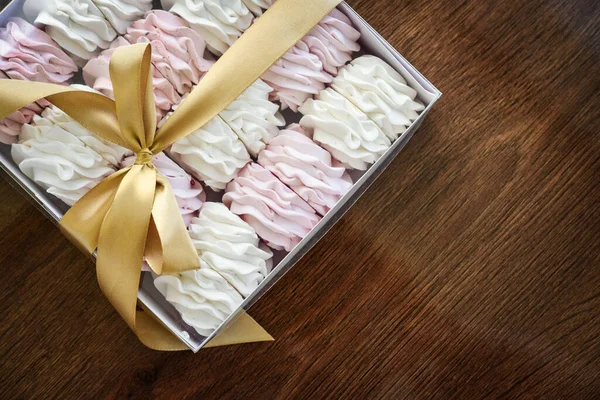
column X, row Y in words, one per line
column 284, row 256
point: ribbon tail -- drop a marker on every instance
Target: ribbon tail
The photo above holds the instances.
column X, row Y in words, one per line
column 154, row 335
column 154, row 249
column 243, row 330
column 122, row 241
column 178, row 251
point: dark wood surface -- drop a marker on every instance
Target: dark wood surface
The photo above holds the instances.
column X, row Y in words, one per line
column 470, row 270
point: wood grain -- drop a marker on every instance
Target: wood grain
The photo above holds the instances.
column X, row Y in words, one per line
column 470, row 270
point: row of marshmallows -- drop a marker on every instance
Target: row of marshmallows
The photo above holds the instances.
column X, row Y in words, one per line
column 281, row 197
column 84, row 28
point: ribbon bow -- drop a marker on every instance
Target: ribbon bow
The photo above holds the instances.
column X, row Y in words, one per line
column 132, row 215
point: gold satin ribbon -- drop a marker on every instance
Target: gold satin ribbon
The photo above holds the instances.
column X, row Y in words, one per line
column 133, row 215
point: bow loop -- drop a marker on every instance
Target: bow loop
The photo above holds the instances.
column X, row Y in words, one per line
column 131, row 75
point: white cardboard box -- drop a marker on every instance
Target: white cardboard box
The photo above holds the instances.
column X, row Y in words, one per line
column 372, row 43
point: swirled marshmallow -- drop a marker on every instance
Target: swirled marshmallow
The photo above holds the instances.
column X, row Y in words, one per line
column 122, row 13
column 10, row 127
column 345, row 131
column 78, row 26
column 178, row 52
column 96, row 74
column 231, row 247
column 296, row 77
column 109, row 151
column 253, row 117
column 333, row 40
column 213, row 154
column 203, row 297
column 63, row 157
column 313, row 62
column 306, row 168
column 219, row 22
column 279, row 216
column 381, row 93
column 28, row 53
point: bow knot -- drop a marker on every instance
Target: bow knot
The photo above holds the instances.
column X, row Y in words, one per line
column 144, row 157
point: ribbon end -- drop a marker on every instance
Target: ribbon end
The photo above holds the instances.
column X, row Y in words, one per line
column 243, row 330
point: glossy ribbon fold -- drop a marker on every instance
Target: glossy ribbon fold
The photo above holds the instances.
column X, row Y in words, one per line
column 132, row 215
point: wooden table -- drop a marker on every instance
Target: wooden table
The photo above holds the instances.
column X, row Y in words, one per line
column 470, row 270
